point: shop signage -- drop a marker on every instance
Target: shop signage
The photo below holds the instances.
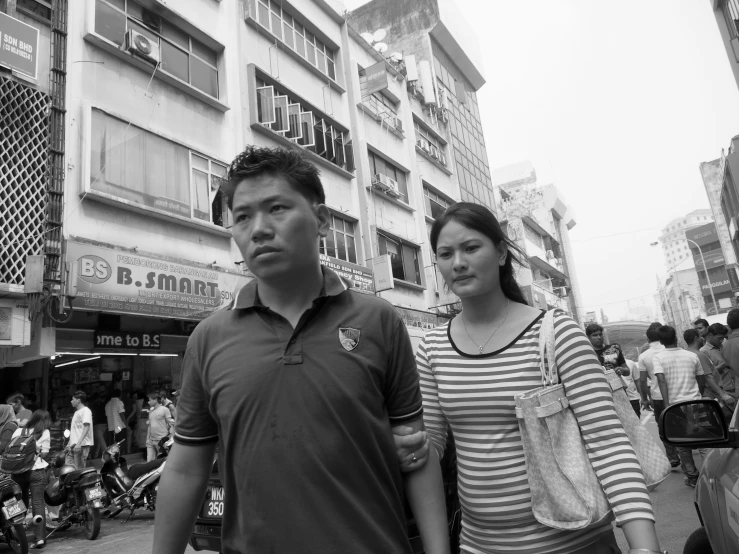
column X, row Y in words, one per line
column 731, row 271
column 719, row 283
column 110, row 280
column 383, row 273
column 126, row 341
column 86, row 375
column 18, row 46
column 375, row 79
column 359, row 276
column 705, row 234
column 712, row 258
column 418, row 319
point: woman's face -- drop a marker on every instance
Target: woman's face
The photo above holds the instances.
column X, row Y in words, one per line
column 469, row 261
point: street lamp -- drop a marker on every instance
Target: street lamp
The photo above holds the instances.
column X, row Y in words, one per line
column 705, row 269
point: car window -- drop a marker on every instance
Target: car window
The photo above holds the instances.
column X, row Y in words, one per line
column 732, row 424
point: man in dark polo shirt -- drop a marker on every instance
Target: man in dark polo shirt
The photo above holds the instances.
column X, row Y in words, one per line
column 299, row 383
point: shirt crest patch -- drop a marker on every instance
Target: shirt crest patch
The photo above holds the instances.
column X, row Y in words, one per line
column 349, row 338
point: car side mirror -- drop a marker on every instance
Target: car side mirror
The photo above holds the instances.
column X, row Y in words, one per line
column 695, row 424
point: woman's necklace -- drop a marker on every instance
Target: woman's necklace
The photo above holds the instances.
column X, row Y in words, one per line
column 508, row 305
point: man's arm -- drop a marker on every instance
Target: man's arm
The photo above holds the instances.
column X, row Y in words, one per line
column 181, row 492
column 643, row 387
column 425, row 492
column 732, row 360
column 662, row 383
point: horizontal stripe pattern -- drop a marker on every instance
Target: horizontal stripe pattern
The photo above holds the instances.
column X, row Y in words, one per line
column 476, row 397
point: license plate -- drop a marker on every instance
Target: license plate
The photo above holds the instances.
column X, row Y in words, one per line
column 213, row 505
column 13, row 508
column 92, row 494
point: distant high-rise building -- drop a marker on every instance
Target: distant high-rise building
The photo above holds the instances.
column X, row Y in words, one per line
column 674, row 246
column 539, row 219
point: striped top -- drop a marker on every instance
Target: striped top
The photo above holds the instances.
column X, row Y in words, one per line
column 474, row 394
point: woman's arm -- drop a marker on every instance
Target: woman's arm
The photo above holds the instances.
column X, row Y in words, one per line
column 425, row 492
column 433, row 417
column 609, row 449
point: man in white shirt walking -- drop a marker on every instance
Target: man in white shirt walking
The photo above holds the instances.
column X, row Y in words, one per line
column 81, row 438
column 115, row 412
column 646, row 370
column 679, row 377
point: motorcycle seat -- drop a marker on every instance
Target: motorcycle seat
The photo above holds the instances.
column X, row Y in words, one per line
column 75, row 475
column 137, row 470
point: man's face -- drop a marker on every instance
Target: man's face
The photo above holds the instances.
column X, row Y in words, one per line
column 596, row 339
column 75, row 402
column 276, row 228
column 16, row 406
column 152, row 401
column 702, row 329
column 715, row 340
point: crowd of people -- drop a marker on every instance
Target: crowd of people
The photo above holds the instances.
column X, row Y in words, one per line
column 18, row 420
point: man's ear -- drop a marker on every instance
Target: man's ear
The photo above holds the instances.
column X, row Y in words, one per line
column 324, row 219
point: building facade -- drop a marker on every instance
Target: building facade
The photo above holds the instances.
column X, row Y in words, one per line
column 675, row 247
column 727, row 15
column 159, row 99
column 539, row 219
column 681, row 298
column 712, row 269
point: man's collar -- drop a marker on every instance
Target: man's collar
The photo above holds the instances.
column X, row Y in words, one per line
column 655, row 344
column 248, row 297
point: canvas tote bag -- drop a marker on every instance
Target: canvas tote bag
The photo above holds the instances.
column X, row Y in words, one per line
column 565, row 492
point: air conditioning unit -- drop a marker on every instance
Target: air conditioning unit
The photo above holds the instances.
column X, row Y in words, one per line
column 445, row 115
column 397, row 123
column 384, row 183
column 561, row 291
column 394, row 190
column 442, row 158
column 141, row 46
column 423, row 144
column 434, row 151
column 15, row 326
column 550, row 255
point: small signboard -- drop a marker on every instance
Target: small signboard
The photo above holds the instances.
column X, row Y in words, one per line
column 18, row 46
column 383, row 273
column 374, row 79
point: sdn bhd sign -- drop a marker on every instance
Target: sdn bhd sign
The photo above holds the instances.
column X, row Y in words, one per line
column 114, row 281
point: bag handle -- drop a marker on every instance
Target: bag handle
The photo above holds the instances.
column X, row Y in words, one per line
column 549, row 374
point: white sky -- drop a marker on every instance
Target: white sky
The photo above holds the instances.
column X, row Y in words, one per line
column 616, row 103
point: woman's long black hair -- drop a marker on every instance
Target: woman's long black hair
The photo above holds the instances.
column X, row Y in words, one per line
column 480, row 219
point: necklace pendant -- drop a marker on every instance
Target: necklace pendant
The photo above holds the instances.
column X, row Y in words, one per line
column 480, row 347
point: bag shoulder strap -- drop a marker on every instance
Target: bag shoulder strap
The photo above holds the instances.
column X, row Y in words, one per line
column 548, row 370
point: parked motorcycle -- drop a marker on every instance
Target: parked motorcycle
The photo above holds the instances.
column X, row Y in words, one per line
column 134, row 487
column 12, row 516
column 79, row 495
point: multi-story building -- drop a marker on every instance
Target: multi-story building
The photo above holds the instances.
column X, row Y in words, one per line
column 161, row 97
column 727, row 15
column 713, row 179
column 539, row 219
column 675, row 247
column 713, row 271
column 680, row 297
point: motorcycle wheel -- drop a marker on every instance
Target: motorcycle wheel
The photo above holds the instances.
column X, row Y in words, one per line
column 92, row 523
column 15, row 536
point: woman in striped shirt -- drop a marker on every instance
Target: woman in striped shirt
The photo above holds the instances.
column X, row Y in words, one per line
column 471, row 371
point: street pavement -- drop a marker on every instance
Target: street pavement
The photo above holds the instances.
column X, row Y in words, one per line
column 673, row 504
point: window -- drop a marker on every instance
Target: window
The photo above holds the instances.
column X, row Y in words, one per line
column 427, row 142
column 37, row 9
column 136, row 166
column 533, row 236
column 381, row 104
column 339, row 243
column 403, row 259
column 380, row 166
column 303, row 125
column 181, row 55
column 435, row 203
column 285, row 27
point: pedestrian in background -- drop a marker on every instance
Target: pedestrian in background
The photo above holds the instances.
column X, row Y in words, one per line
column 115, row 413
column 100, row 428
column 712, row 388
column 167, row 403
column 8, row 425
column 33, row 482
column 713, row 349
column 22, row 414
column 701, row 325
column 633, row 387
column 730, row 347
column 610, row 356
column 161, row 424
column 81, row 437
column 679, row 376
column 646, row 371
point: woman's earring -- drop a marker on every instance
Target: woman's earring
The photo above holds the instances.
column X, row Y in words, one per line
column 501, row 262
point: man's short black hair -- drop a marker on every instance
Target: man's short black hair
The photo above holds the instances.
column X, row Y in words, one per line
column 17, row 397
column 690, row 335
column 701, row 321
column 292, row 165
column 652, row 335
column 717, row 329
column 667, row 335
column 732, row 319
column 81, row 396
column 593, row 328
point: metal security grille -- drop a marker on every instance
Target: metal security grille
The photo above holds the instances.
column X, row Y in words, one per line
column 24, row 153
